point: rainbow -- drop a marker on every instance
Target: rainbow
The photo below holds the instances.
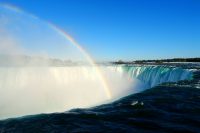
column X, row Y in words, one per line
column 73, row 42
column 87, row 56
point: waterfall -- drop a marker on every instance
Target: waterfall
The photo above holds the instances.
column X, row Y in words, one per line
column 154, row 75
column 32, row 90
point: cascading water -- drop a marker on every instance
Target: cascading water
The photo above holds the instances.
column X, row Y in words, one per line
column 32, row 90
column 154, row 75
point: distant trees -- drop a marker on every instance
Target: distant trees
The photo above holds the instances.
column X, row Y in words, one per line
column 159, row 61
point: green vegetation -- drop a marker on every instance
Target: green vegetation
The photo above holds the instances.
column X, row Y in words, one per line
column 174, row 60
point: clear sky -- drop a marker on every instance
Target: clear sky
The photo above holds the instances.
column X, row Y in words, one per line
column 125, row 29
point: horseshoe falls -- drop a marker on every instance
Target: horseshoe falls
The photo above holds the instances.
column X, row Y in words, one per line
column 35, row 90
column 143, row 97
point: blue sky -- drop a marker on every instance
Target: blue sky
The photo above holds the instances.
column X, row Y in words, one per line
column 125, row 29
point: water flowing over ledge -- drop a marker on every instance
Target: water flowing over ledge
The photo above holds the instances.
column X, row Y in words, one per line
column 146, row 111
column 154, row 75
column 33, row 90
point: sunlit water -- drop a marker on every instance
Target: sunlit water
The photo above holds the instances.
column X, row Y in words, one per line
column 34, row 90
